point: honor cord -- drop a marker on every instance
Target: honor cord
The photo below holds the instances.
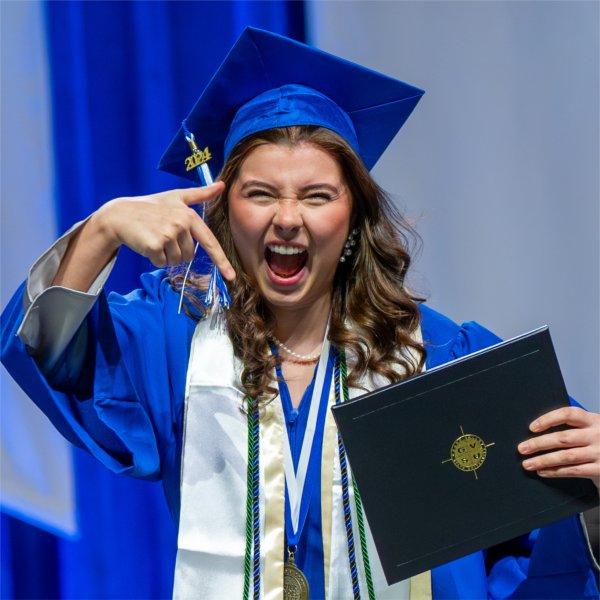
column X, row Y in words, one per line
column 342, row 375
column 252, row 561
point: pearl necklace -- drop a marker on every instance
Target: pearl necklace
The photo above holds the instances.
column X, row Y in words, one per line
column 301, row 358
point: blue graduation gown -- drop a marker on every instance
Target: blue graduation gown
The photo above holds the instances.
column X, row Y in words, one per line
column 118, row 392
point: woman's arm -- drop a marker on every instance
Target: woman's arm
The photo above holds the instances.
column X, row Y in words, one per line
column 90, row 249
column 162, row 227
column 65, row 282
column 102, row 369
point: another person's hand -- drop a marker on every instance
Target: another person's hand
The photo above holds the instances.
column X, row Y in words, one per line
column 573, row 452
column 163, row 227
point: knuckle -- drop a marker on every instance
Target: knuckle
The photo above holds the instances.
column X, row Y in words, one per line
column 169, row 235
column 569, row 457
column 190, row 215
column 154, row 247
column 185, row 219
column 176, row 227
column 185, row 223
column 563, row 438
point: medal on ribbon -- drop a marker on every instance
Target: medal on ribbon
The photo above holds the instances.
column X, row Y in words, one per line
column 295, row 584
column 298, row 495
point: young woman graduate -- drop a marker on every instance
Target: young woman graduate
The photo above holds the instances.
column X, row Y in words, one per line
column 229, row 408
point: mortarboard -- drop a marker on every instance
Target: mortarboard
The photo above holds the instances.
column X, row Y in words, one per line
column 268, row 80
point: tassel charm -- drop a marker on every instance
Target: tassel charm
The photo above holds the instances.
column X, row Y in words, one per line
column 217, row 293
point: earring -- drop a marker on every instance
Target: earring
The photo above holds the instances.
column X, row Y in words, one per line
column 350, row 243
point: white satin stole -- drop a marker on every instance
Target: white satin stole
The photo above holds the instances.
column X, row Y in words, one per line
column 211, row 538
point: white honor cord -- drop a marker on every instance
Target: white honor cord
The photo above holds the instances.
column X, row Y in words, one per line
column 295, row 480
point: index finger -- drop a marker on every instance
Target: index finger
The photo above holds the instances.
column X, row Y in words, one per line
column 206, row 238
column 567, row 415
column 196, row 195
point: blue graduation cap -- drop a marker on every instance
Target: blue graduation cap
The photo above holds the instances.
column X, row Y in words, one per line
column 268, row 80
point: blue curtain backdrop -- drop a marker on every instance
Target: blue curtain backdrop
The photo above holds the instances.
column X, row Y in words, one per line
column 123, row 75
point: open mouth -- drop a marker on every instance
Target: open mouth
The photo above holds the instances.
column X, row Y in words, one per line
column 285, row 261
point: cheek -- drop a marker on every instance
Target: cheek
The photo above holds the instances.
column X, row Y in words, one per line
column 245, row 223
column 331, row 230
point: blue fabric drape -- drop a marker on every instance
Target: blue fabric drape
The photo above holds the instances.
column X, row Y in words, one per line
column 123, row 75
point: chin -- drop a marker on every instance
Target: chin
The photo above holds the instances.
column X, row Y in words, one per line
column 300, row 295
column 283, row 298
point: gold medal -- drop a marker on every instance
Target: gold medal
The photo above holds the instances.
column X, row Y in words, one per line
column 295, row 584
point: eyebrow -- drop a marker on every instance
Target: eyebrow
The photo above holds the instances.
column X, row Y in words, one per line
column 303, row 189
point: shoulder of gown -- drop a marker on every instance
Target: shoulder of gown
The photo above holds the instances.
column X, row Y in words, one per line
column 117, row 390
column 445, row 340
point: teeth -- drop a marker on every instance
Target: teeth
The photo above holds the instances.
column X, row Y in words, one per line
column 285, row 249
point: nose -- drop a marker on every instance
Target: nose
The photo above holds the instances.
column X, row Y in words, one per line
column 288, row 216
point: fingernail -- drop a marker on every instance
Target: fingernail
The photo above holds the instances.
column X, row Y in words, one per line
column 534, row 426
column 527, row 465
column 543, row 473
column 523, row 446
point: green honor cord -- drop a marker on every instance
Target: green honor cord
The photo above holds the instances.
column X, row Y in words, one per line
column 252, row 559
column 252, row 507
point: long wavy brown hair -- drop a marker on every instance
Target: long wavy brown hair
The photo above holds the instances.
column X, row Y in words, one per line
column 373, row 313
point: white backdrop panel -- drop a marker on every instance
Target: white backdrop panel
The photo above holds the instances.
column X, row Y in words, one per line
column 499, row 162
column 36, row 462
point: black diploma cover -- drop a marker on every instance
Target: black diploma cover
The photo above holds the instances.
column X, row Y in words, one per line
column 435, row 457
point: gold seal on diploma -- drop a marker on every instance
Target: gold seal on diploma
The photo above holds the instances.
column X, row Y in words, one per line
column 468, row 452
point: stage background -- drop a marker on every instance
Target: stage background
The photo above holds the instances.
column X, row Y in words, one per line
column 498, row 166
column 117, row 78
column 499, row 162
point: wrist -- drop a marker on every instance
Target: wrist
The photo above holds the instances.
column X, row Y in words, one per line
column 102, row 225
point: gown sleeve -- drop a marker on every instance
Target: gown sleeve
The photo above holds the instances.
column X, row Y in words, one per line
column 52, row 314
column 555, row 561
column 101, row 367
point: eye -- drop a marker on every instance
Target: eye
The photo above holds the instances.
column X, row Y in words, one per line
column 318, row 198
column 254, row 193
column 260, row 195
